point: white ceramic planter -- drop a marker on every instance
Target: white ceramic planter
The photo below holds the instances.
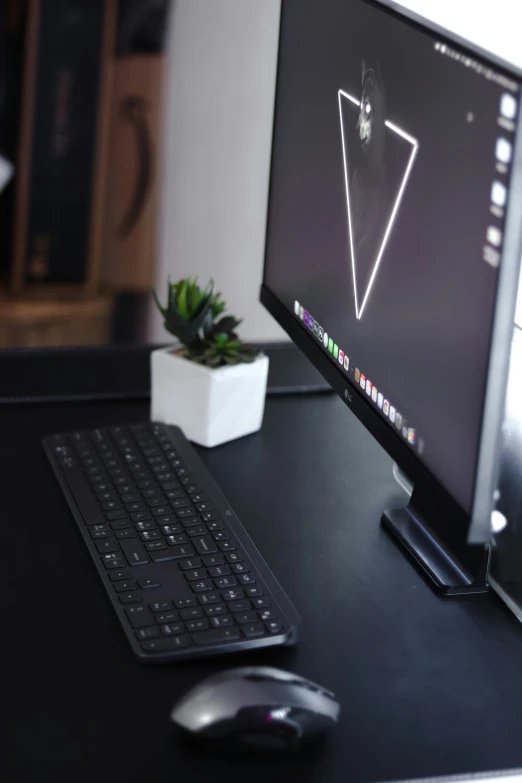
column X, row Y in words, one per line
column 210, row 406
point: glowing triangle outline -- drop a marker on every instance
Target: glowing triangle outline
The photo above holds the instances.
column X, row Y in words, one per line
column 415, row 145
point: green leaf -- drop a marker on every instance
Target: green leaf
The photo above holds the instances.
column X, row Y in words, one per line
column 158, row 305
column 181, row 299
column 194, row 297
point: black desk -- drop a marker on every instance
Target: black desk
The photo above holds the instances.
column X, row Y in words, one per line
column 427, row 686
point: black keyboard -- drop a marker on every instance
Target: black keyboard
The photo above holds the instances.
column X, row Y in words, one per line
column 183, row 575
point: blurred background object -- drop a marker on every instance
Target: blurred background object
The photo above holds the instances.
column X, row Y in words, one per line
column 81, row 86
column 135, row 143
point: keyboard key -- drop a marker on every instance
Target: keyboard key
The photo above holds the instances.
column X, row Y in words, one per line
column 221, row 535
column 170, row 530
column 240, row 606
column 185, row 603
column 161, row 556
column 239, row 568
column 274, row 626
column 197, row 625
column 233, row 557
column 246, row 579
column 155, row 545
column 102, row 487
column 135, row 508
column 147, row 483
column 185, row 550
column 165, row 645
column 208, row 516
column 222, row 622
column 222, row 570
column 179, row 538
column 156, row 500
column 260, row 603
column 182, row 513
column 103, row 496
column 198, row 497
column 125, row 585
column 165, row 485
column 245, row 617
column 152, row 492
column 139, row 616
column 267, row 614
column 121, row 524
column 216, row 609
column 172, row 628
column 166, row 519
column 160, row 606
column 97, row 534
column 204, row 545
column 175, row 494
column 150, row 535
column 193, row 562
column 196, row 573
column 197, row 530
column 202, row 585
column 147, row 633
column 134, row 552
column 213, row 560
column 116, row 576
column 146, row 584
column 225, row 581
column 208, row 598
column 161, row 511
column 130, row 598
column 253, row 629
column 216, row 635
column 130, row 533
column 141, row 516
column 166, row 617
column 191, row 614
column 120, row 514
column 182, row 502
column 111, row 505
column 204, row 507
column 233, row 594
column 130, row 497
column 142, row 526
column 213, row 526
column 124, row 489
column 226, row 546
column 116, row 562
column 190, row 522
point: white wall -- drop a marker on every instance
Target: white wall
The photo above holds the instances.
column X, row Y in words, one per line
column 220, row 95
column 222, row 60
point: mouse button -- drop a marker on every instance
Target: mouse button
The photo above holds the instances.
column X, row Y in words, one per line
column 258, row 739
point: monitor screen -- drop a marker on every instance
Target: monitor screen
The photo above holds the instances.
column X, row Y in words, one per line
column 391, row 169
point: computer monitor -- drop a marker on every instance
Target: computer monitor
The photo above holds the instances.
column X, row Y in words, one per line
column 394, row 238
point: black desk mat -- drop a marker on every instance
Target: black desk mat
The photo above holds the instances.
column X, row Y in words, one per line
column 427, row 686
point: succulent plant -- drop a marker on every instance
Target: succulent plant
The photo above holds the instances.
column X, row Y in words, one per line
column 191, row 315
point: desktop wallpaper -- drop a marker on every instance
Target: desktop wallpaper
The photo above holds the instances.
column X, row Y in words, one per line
column 390, row 176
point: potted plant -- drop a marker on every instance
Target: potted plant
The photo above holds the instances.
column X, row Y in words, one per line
column 209, row 382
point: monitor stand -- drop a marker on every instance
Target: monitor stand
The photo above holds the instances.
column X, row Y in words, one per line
column 454, row 567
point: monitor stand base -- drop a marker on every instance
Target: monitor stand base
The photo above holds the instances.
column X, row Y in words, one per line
column 447, row 573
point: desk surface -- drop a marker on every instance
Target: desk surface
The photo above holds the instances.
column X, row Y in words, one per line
column 427, row 686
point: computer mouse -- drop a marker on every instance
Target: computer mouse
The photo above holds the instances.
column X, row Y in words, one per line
column 256, row 707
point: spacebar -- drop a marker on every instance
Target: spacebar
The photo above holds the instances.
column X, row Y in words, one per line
column 83, row 497
column 219, row 635
column 134, row 552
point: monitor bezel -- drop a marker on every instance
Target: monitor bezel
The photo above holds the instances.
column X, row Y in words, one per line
column 488, row 458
